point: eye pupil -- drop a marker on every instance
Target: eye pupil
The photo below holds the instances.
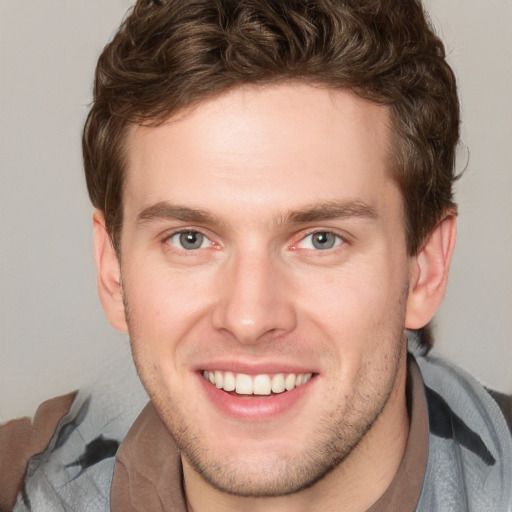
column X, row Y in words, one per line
column 324, row 240
column 191, row 240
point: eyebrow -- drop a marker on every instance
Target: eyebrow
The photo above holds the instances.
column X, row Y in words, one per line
column 331, row 210
column 167, row 211
column 318, row 212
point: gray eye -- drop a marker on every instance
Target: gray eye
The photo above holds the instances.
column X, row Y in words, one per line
column 320, row 241
column 323, row 240
column 191, row 240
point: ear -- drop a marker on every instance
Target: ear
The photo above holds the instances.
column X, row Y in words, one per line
column 429, row 274
column 108, row 274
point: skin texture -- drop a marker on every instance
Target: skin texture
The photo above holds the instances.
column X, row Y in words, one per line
column 267, row 167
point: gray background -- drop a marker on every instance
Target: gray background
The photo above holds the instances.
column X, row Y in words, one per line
column 53, row 335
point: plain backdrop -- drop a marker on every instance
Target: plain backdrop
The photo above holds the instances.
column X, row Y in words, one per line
column 53, row 335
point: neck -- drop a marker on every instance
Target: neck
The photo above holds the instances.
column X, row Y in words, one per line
column 355, row 484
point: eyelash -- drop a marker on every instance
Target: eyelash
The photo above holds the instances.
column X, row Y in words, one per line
column 339, row 240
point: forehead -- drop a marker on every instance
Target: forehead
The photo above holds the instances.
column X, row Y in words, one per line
column 260, row 147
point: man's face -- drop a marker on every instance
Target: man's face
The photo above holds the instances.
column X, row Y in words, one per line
column 263, row 248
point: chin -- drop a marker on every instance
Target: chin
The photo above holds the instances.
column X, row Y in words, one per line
column 263, row 473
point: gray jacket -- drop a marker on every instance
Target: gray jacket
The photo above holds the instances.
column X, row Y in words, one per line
column 469, row 465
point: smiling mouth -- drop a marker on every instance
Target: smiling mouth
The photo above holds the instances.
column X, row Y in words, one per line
column 261, row 385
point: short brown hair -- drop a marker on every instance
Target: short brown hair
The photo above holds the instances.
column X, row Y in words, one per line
column 169, row 54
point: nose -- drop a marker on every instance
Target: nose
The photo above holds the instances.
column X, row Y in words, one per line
column 255, row 300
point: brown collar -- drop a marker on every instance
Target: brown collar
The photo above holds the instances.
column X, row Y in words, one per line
column 148, row 475
column 404, row 491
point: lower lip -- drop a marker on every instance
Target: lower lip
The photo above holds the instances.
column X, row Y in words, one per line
column 251, row 407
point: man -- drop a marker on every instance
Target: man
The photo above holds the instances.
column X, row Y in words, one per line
column 272, row 183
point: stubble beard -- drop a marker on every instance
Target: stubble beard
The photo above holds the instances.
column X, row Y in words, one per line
column 338, row 434
column 335, row 439
column 284, row 475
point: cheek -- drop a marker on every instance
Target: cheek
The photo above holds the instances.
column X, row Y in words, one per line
column 355, row 305
column 163, row 305
column 350, row 292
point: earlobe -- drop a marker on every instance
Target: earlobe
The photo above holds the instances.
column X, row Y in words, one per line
column 429, row 276
column 108, row 274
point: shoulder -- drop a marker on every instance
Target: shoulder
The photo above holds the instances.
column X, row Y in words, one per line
column 74, row 463
column 470, row 445
column 21, row 439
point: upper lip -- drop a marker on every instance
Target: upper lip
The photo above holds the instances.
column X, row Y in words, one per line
column 255, row 368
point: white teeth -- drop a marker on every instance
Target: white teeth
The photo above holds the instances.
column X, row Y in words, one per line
column 218, row 379
column 243, row 384
column 229, row 382
column 278, row 383
column 262, row 384
column 289, row 382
